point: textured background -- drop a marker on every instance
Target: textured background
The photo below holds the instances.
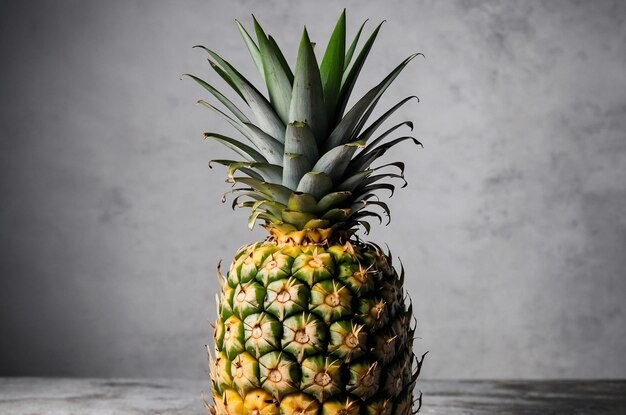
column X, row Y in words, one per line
column 513, row 227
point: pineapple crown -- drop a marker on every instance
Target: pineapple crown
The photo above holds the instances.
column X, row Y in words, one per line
column 307, row 169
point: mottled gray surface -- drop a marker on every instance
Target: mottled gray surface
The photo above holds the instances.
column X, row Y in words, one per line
column 49, row 396
column 512, row 228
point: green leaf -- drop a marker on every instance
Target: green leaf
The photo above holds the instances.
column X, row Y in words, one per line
column 238, row 125
column 271, row 148
column 252, row 48
column 263, row 216
column 248, row 204
column 250, row 172
column 378, row 186
column 382, row 205
column 317, row 224
column 337, row 214
column 278, row 82
column 398, row 164
column 307, row 100
column 366, row 226
column 316, row 183
column 377, row 177
column 352, row 47
column 374, row 126
column 242, row 166
column 331, row 68
column 269, row 206
column 299, row 139
column 363, row 160
column 243, row 192
column 294, row 167
column 262, row 109
column 352, row 74
column 351, row 183
column 275, row 192
column 355, row 165
column 217, row 94
column 365, row 197
column 335, row 161
column 269, row 172
column 365, row 214
column 349, row 126
column 281, row 58
column 242, row 149
column 298, row 219
column 302, row 202
column 386, row 133
column 226, row 78
column 331, row 200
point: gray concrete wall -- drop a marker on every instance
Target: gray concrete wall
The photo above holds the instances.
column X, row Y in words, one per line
column 512, row 228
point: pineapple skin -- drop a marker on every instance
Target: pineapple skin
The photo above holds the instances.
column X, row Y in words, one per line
column 313, row 329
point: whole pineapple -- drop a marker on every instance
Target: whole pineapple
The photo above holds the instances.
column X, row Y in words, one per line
column 312, row 320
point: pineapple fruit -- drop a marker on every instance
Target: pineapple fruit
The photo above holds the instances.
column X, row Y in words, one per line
column 312, row 320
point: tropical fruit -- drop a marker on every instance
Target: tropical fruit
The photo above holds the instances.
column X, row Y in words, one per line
column 312, row 320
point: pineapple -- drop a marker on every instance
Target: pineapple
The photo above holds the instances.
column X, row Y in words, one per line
column 313, row 320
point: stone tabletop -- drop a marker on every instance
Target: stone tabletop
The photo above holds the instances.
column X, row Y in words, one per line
column 51, row 396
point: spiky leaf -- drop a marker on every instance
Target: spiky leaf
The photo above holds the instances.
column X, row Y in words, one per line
column 307, row 100
column 277, row 80
column 349, row 126
column 331, row 68
column 316, row 183
column 266, row 116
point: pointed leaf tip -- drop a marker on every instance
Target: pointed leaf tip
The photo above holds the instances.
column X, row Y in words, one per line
column 331, row 67
column 307, row 99
column 277, row 74
column 352, row 72
column 253, row 48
